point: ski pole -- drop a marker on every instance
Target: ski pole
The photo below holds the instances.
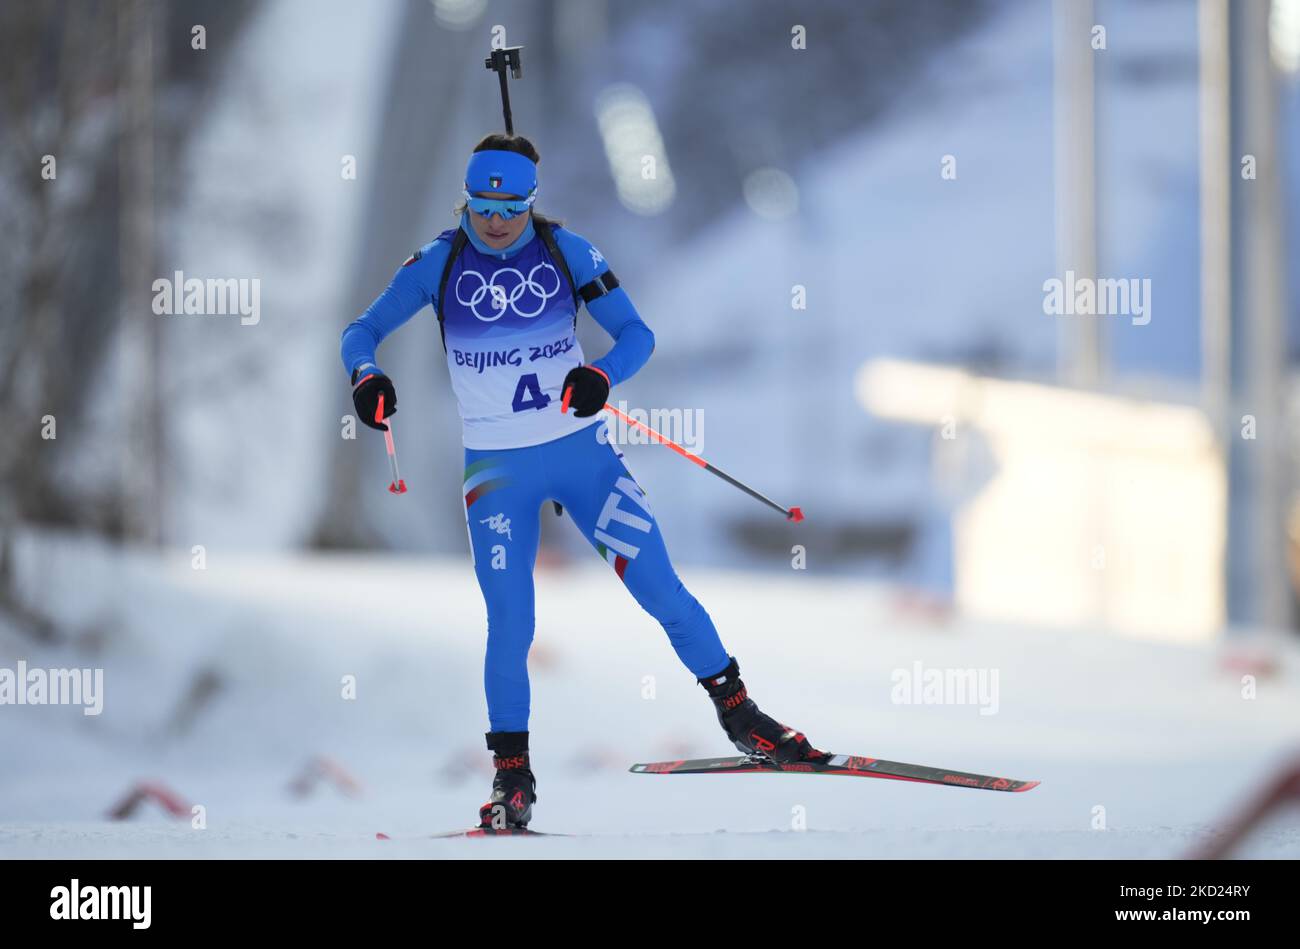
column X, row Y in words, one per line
column 398, row 486
column 791, row 514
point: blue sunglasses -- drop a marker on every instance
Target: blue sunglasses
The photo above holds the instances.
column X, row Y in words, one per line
column 506, row 207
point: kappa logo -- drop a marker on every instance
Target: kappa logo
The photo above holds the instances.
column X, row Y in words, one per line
column 499, row 523
column 507, row 287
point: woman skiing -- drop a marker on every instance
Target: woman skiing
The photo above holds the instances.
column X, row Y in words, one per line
column 506, row 286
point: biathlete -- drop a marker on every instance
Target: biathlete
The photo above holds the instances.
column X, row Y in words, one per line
column 506, row 286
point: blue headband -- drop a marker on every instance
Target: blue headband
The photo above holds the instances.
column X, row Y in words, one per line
column 499, row 170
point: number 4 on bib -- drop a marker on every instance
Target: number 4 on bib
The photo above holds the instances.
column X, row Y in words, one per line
column 529, row 394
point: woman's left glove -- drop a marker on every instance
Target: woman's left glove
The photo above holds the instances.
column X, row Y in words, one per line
column 586, row 388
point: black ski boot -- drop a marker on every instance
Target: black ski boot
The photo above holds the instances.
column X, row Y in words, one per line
column 749, row 729
column 514, row 789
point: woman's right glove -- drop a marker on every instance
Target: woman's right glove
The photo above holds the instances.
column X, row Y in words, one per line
column 365, row 396
column 586, row 388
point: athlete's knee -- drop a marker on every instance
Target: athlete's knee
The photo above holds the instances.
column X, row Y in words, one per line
column 667, row 600
column 510, row 631
column 510, row 625
column 505, row 678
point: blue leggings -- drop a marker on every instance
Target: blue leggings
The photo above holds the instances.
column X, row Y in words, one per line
column 504, row 490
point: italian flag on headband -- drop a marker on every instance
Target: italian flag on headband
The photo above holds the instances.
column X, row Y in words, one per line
column 502, row 171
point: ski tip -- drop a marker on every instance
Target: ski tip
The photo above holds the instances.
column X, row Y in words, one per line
column 796, row 514
column 1028, row 786
column 380, row 835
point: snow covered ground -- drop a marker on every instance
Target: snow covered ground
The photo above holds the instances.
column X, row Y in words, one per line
column 1155, row 734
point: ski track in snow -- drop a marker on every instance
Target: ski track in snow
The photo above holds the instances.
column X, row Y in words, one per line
column 171, row 842
column 1154, row 733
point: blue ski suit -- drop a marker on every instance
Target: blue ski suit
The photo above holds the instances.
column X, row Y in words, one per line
column 509, row 329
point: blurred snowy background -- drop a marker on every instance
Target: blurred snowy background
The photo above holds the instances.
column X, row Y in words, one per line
column 177, row 506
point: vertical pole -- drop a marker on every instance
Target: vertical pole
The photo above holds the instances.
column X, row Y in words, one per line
column 1216, row 204
column 1074, row 121
column 140, row 342
column 1262, row 281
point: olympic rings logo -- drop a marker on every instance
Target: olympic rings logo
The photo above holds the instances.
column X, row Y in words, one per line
column 506, row 293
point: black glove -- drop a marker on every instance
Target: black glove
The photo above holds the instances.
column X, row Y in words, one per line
column 590, row 390
column 365, row 396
